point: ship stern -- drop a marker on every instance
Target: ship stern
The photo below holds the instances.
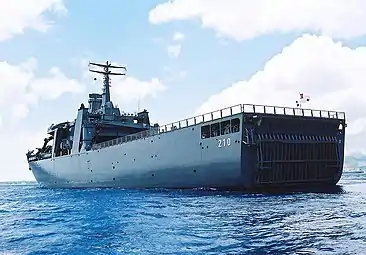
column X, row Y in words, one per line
column 295, row 150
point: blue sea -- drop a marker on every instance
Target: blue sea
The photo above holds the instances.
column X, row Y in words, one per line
column 36, row 220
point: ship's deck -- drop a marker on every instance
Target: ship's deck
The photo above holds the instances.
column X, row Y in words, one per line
column 225, row 112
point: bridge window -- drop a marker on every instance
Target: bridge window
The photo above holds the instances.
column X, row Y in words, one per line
column 225, row 127
column 215, row 129
column 220, row 128
column 205, row 131
column 235, row 125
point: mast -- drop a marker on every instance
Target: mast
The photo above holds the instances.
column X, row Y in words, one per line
column 106, row 97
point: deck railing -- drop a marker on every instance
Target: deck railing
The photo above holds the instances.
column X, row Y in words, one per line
column 225, row 112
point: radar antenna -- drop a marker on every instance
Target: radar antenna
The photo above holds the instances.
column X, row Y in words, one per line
column 106, row 98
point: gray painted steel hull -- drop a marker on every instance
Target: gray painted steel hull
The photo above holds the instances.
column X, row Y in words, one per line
column 271, row 154
column 178, row 159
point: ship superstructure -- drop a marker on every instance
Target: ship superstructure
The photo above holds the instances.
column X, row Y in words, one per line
column 240, row 147
column 101, row 121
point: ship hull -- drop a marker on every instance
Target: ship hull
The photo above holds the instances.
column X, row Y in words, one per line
column 178, row 159
column 256, row 156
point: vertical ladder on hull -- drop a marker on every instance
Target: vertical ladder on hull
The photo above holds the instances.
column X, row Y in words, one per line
column 249, row 136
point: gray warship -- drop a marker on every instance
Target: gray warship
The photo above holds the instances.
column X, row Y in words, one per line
column 241, row 147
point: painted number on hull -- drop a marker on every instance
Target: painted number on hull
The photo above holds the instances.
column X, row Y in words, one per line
column 224, row 142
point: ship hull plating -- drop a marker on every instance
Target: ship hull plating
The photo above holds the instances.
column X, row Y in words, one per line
column 183, row 159
column 178, row 159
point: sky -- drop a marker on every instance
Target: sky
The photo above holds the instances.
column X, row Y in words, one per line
column 183, row 57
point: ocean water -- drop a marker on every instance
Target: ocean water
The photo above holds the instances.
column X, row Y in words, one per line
column 36, row 220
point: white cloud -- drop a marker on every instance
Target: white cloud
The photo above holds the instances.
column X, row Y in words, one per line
column 129, row 89
column 18, row 15
column 173, row 45
column 245, row 19
column 333, row 75
column 20, row 88
column 14, row 146
column 20, row 111
column 178, row 37
column 174, row 50
column 55, row 85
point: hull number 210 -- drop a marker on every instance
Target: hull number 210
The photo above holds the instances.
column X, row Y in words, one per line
column 224, row 142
